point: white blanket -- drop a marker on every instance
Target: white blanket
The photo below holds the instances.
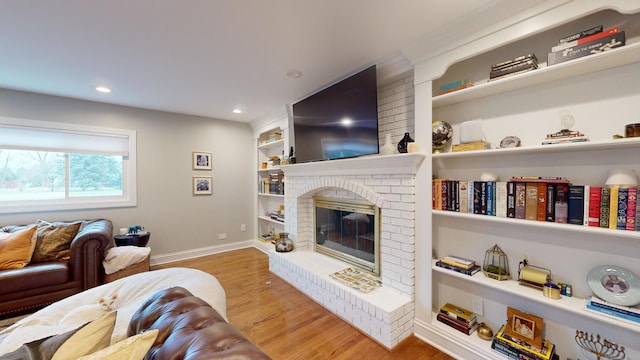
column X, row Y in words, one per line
column 118, row 258
column 131, row 291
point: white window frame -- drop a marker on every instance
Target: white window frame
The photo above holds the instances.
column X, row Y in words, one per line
column 129, row 195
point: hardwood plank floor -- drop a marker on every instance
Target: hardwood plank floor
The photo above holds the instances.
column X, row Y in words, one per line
column 284, row 322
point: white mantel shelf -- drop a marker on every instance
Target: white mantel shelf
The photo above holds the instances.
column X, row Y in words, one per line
column 397, row 164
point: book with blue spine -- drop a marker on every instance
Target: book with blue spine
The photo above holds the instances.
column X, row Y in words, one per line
column 621, row 219
column 575, row 203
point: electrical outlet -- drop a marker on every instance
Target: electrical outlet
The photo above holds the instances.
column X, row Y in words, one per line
column 243, row 227
column 222, row 236
column 478, row 306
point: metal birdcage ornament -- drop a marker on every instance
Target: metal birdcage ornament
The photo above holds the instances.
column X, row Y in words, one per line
column 496, row 264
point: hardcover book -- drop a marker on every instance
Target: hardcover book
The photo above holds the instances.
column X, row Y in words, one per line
column 604, row 208
column 501, row 198
column 511, row 199
column 531, row 201
column 464, row 196
column 542, row 201
column 561, row 206
column 621, row 220
column 631, row 208
column 550, row 213
column 470, row 271
column 576, row 205
column 521, row 200
column 613, row 207
column 593, row 47
column 595, row 196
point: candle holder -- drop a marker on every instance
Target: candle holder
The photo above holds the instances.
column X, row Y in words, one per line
column 601, row 348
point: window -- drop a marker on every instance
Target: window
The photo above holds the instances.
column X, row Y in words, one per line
column 56, row 166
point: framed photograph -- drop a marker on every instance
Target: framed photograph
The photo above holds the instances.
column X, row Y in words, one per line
column 202, row 185
column 524, row 327
column 201, row 160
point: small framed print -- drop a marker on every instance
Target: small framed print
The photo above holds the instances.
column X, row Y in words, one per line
column 202, row 185
column 524, row 327
column 201, row 160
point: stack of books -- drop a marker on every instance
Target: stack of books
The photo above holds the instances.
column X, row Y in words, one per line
column 591, row 41
column 458, row 264
column 564, row 136
column 519, row 65
column 455, row 86
column 517, row 349
column 625, row 313
column 458, row 318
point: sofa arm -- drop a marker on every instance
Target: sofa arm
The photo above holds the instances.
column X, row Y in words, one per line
column 189, row 328
column 87, row 251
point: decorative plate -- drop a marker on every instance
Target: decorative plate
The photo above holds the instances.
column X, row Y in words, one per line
column 615, row 284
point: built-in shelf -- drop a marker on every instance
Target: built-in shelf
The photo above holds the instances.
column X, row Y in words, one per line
column 271, row 144
column 621, row 56
column 271, row 195
column 573, row 305
column 273, row 168
column 629, row 143
column 363, row 165
column 268, row 219
column 634, row 235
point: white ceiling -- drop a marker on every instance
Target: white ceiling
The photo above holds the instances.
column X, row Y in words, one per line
column 206, row 57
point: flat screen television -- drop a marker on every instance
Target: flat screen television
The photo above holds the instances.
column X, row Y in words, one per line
column 340, row 121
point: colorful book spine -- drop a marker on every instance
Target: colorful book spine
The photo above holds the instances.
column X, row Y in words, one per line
column 613, row 207
column 491, row 198
column 464, row 196
column 542, row 201
column 456, row 325
column 631, row 208
column 550, row 213
column 637, row 215
column 585, row 203
column 437, row 194
column 477, row 189
column 604, row 207
column 621, row 220
column 561, row 206
column 470, row 194
column 445, row 203
column 531, row 201
column 501, row 199
column 471, row 271
column 595, row 202
column 511, row 199
column 576, row 205
column 521, row 200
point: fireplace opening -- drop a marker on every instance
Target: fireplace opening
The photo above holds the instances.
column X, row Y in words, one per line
column 348, row 230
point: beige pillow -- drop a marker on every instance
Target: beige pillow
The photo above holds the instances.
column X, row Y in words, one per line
column 92, row 337
column 16, row 248
column 53, row 240
column 131, row 348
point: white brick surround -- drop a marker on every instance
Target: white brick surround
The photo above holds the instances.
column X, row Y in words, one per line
column 386, row 314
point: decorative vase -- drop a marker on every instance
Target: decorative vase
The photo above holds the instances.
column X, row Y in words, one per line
column 284, row 244
column 402, row 145
column 387, row 148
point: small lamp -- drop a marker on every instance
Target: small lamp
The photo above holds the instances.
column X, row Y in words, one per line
column 621, row 177
column 496, row 264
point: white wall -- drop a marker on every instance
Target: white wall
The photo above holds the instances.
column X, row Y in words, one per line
column 178, row 221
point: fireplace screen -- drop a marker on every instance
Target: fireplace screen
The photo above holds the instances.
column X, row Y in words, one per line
column 349, row 231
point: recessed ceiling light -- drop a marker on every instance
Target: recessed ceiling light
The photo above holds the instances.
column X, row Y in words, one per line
column 237, row 111
column 103, row 89
column 294, row 74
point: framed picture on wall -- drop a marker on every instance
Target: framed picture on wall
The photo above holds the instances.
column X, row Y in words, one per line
column 201, row 160
column 202, row 185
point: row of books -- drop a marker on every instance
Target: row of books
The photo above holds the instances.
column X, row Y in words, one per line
column 458, row 264
column 542, row 199
column 590, row 41
column 458, row 318
column 272, row 184
column 518, row 65
column 514, row 348
column 620, row 312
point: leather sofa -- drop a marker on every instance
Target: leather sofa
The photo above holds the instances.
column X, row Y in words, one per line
column 42, row 283
column 189, row 328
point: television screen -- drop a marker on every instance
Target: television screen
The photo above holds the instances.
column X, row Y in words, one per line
column 340, row 121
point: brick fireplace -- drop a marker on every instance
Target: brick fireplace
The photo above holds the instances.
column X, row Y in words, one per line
column 388, row 182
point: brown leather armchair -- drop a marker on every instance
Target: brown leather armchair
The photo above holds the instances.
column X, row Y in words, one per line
column 189, row 328
column 40, row 284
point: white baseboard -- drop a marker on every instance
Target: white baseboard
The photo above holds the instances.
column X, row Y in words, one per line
column 210, row 250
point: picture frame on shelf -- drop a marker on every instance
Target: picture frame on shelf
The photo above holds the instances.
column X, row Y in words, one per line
column 201, row 160
column 524, row 327
column 202, row 185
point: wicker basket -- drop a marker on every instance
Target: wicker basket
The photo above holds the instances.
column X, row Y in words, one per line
column 136, row 268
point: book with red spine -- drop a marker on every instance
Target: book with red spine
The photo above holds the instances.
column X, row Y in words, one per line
column 595, row 199
column 542, row 201
column 585, row 40
column 632, row 197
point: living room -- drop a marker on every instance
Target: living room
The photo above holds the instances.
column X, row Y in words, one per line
column 186, row 226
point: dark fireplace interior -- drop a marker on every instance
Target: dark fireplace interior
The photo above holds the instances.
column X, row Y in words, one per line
column 348, row 230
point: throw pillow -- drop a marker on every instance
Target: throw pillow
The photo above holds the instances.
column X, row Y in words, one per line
column 53, row 240
column 131, row 348
column 16, row 248
column 71, row 345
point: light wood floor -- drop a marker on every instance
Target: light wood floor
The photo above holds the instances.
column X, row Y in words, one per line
column 284, row 322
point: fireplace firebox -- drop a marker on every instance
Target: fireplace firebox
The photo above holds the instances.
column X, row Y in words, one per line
column 348, row 230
